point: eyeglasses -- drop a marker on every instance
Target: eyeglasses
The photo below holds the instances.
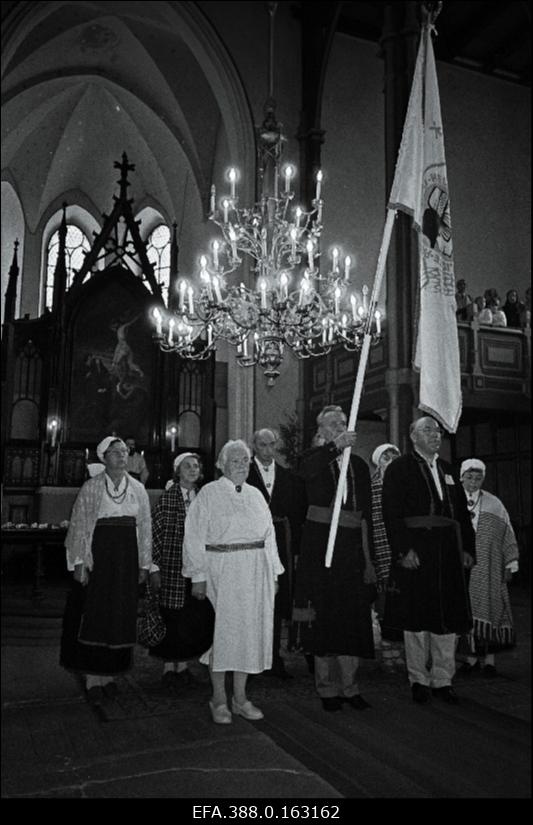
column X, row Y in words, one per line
column 117, row 452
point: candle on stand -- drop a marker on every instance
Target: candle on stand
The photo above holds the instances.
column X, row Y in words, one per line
column 209, row 335
column 304, row 286
column 262, row 290
column 225, row 207
column 337, row 295
column 344, row 324
column 309, row 247
column 283, row 282
column 216, row 287
column 190, row 295
column 288, row 175
column 365, row 299
column 353, row 302
column 171, row 331
column 204, row 277
column 293, row 235
column 158, row 321
column 318, row 184
column 216, row 246
column 182, row 290
column 347, row 264
column 335, row 257
column 173, row 432
column 298, row 216
column 232, row 179
column 86, row 454
column 377, row 316
column 212, row 199
column 245, row 347
column 53, row 432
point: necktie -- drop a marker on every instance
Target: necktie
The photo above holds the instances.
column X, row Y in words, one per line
column 187, row 499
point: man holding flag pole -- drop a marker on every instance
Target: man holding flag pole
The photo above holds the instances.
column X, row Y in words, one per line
column 420, row 189
column 425, row 513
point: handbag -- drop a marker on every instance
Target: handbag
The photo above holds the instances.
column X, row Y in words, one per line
column 151, row 628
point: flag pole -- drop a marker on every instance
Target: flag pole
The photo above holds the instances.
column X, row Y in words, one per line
column 361, row 369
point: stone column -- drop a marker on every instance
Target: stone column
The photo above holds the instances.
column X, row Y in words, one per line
column 399, row 43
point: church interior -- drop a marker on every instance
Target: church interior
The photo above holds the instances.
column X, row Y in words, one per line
column 121, row 121
column 175, row 175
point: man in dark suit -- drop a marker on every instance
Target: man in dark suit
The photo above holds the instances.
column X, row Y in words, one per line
column 433, row 545
column 279, row 487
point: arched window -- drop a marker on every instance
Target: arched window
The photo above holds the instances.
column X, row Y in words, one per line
column 76, row 245
column 158, row 251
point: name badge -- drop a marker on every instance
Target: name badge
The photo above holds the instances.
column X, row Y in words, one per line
column 448, row 479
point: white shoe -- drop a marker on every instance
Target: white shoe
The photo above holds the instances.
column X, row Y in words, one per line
column 247, row 710
column 221, row 714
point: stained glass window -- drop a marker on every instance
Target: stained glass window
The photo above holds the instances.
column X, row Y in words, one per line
column 158, row 251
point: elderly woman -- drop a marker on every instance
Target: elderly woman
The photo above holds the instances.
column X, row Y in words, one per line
column 108, row 548
column 497, row 560
column 391, row 651
column 230, row 555
column 168, row 520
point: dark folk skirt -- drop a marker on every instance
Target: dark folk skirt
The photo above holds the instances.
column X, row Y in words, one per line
column 189, row 631
column 100, row 619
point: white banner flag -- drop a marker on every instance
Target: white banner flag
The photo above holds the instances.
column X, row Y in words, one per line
column 420, row 188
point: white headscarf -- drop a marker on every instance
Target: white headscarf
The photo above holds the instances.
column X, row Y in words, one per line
column 176, row 466
column 180, row 458
column 472, row 464
column 378, row 452
column 104, row 445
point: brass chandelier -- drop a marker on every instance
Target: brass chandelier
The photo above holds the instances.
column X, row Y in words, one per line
column 292, row 305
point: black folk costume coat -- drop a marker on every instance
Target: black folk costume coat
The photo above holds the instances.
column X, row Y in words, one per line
column 334, row 603
column 433, row 597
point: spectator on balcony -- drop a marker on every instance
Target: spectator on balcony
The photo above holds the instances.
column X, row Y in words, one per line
column 498, row 315
column 525, row 318
column 481, row 311
column 464, row 302
column 490, row 295
column 513, row 309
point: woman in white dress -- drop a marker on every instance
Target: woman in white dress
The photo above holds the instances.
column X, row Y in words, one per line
column 231, row 557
